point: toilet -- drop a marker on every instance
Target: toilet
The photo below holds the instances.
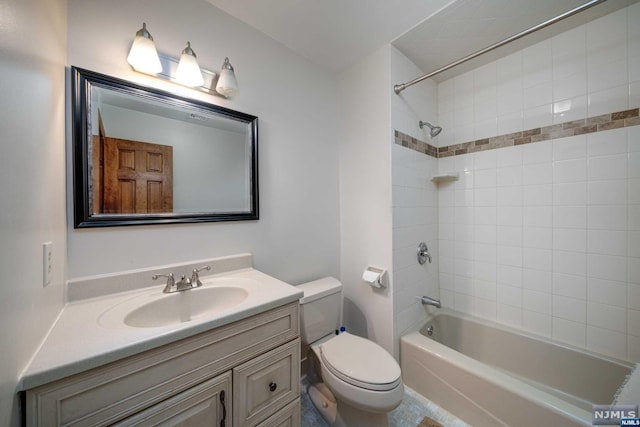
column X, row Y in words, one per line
column 358, row 381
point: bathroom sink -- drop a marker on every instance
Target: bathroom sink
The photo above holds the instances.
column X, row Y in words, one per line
column 185, row 306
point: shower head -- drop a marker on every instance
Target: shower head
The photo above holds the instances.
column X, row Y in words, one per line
column 435, row 130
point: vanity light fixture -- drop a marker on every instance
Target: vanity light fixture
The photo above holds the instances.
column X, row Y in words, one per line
column 188, row 72
column 227, row 83
column 144, row 58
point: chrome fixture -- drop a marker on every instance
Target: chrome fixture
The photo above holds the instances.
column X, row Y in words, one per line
column 195, row 278
column 184, row 284
column 144, row 58
column 434, row 130
column 430, row 301
column 400, row 87
column 423, row 253
column 430, row 330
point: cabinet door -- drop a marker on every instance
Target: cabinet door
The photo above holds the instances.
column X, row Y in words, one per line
column 207, row 404
column 289, row 416
column 266, row 384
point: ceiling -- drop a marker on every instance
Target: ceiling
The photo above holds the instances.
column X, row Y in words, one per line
column 432, row 33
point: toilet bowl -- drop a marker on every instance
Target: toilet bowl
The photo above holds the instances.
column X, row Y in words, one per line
column 361, row 381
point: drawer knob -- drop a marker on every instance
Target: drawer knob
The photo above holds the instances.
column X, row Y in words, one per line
column 273, row 386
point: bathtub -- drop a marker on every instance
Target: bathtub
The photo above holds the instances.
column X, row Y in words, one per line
column 490, row 375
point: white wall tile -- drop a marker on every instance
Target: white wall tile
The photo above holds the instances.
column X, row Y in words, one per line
column 537, row 237
column 540, row 302
column 537, row 280
column 540, row 152
column 607, row 267
column 570, row 217
column 570, row 109
column 546, row 236
column 537, row 216
column 538, row 259
column 538, row 195
column 609, row 292
column 512, row 276
column 570, row 332
column 571, row 170
column 613, row 217
column 606, row 317
column 608, row 100
column 570, row 239
column 538, row 173
column 574, row 147
column 570, row 262
column 570, row 86
column 569, row 285
column 537, row 323
column 606, row 342
column 572, row 194
column 612, row 192
column 607, row 242
column 608, row 167
column 606, row 143
column 512, row 196
column 569, row 308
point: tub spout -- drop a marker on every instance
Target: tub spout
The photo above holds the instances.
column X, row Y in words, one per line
column 430, row 301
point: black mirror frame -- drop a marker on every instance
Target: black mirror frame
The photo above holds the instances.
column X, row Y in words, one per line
column 81, row 82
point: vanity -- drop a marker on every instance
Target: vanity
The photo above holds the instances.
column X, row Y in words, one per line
column 224, row 354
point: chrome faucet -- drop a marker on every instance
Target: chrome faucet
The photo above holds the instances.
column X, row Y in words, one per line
column 195, row 278
column 430, row 301
column 184, row 284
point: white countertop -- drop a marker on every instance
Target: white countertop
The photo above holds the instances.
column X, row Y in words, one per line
column 81, row 340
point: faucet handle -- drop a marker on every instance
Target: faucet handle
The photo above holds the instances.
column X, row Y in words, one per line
column 195, row 277
column 171, row 282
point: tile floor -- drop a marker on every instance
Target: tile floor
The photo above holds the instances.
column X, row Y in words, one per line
column 411, row 411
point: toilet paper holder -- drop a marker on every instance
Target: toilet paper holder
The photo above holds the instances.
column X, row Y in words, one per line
column 374, row 276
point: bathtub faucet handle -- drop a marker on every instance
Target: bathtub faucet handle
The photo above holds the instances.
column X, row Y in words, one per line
column 423, row 253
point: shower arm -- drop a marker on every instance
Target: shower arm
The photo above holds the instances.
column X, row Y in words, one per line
column 402, row 86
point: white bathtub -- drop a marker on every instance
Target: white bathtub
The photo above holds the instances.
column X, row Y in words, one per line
column 491, row 375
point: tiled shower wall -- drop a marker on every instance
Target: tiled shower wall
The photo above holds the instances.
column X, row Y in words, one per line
column 415, row 200
column 546, row 236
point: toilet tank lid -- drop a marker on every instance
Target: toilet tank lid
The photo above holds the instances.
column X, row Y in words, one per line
column 319, row 288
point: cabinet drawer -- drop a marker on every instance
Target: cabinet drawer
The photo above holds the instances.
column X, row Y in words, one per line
column 266, row 384
column 289, row 416
column 108, row 394
column 203, row 405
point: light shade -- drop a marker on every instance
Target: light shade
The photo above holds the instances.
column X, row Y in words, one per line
column 188, row 72
column 143, row 56
column 227, row 83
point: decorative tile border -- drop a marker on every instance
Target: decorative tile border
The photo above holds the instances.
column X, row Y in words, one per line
column 576, row 127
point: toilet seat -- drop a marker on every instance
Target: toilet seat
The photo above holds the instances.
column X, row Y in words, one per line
column 360, row 362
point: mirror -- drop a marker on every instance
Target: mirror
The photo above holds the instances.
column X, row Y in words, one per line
column 145, row 156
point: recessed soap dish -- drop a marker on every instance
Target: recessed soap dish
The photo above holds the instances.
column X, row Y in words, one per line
column 445, row 177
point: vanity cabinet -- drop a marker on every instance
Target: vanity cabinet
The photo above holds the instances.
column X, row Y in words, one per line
column 246, row 373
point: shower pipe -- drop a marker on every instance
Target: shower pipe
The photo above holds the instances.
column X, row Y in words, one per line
column 402, row 86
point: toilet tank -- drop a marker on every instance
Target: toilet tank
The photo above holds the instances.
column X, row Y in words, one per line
column 320, row 308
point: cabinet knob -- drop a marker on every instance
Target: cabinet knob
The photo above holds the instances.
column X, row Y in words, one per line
column 273, row 386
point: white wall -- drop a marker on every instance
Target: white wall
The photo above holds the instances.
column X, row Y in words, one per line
column 297, row 236
column 545, row 236
column 415, row 198
column 32, row 182
column 365, row 194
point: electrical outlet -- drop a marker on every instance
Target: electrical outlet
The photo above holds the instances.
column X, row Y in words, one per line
column 47, row 263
